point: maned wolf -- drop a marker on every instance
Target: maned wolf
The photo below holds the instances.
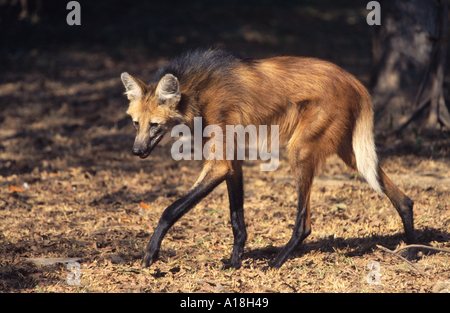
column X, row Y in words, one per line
column 320, row 110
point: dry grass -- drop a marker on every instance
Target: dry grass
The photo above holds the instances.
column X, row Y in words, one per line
column 70, row 143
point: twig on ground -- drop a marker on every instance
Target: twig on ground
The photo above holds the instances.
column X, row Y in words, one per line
column 412, row 246
column 404, row 259
column 422, row 247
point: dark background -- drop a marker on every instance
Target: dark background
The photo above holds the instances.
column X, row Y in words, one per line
column 332, row 30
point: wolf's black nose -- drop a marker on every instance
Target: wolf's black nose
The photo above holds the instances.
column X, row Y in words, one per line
column 136, row 151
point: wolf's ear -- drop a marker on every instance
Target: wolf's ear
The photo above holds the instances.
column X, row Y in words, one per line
column 168, row 90
column 135, row 87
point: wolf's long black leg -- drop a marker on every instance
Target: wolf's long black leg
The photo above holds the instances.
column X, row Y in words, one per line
column 304, row 172
column 404, row 207
column 211, row 176
column 236, row 197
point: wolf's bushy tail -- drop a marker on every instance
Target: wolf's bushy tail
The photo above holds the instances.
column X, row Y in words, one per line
column 364, row 146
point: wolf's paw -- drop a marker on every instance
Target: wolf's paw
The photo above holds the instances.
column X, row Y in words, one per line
column 149, row 259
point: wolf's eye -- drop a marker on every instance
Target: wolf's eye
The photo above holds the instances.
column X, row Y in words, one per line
column 153, row 125
column 136, row 125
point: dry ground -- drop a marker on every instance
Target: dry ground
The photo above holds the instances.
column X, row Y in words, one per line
column 69, row 187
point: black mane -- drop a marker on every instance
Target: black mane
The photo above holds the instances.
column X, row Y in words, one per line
column 198, row 62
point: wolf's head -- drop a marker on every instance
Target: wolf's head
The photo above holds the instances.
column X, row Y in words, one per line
column 153, row 110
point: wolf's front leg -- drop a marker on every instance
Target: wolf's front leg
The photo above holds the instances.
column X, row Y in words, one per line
column 213, row 173
column 236, row 197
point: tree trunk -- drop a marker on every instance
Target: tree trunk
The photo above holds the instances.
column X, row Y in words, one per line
column 409, row 56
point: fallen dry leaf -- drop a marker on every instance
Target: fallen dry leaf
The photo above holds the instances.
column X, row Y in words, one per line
column 145, row 206
column 14, row 188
